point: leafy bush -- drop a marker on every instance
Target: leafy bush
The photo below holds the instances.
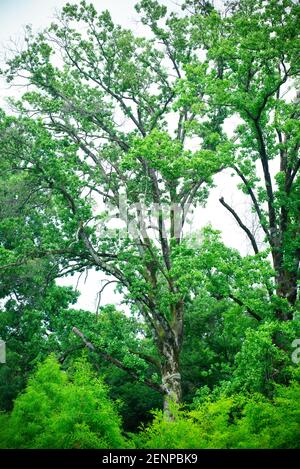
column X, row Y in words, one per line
column 60, row 410
column 230, row 422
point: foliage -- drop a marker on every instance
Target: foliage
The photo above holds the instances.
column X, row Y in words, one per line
column 115, row 124
column 28, row 326
column 59, row 410
column 239, row 421
column 264, row 358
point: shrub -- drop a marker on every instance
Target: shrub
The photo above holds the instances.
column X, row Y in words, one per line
column 238, row 421
column 60, row 410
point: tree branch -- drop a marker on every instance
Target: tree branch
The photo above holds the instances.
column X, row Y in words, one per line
column 292, row 176
column 241, row 224
column 249, row 310
column 254, row 200
column 267, row 176
column 117, row 363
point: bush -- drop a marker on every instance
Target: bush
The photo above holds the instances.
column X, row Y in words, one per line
column 230, row 422
column 60, row 410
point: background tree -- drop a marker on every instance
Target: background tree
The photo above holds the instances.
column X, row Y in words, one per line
column 255, row 44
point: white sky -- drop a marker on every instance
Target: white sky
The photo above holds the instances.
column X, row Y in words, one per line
column 14, row 15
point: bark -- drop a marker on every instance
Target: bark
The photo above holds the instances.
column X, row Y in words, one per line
column 170, row 348
column 171, row 378
column 287, row 285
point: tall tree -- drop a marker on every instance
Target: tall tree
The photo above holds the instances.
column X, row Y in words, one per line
column 94, row 125
column 108, row 113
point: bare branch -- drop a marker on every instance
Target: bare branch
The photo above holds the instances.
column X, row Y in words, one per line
column 254, row 200
column 241, row 224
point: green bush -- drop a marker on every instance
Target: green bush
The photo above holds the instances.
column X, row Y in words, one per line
column 72, row 410
column 230, row 422
column 60, row 410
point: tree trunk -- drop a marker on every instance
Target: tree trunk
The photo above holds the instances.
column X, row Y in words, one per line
column 286, row 284
column 171, row 377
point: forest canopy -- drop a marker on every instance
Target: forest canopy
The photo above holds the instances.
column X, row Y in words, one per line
column 204, row 349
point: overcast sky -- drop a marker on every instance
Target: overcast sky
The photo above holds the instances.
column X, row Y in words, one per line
column 14, row 15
